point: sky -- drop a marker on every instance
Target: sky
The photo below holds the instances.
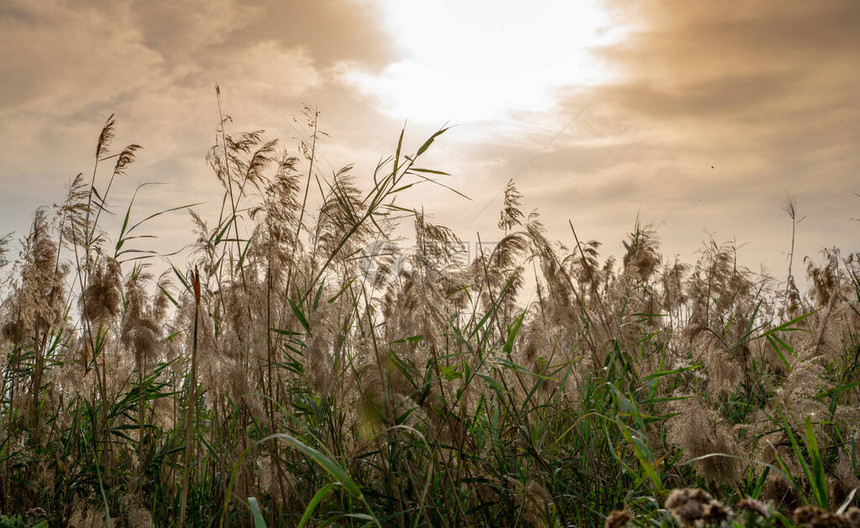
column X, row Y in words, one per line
column 700, row 118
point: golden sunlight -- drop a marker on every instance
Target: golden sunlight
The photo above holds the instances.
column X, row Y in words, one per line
column 484, row 60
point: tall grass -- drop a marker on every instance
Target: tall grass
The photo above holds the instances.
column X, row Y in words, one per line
column 294, row 372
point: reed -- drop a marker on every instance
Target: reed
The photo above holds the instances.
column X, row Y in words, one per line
column 301, row 369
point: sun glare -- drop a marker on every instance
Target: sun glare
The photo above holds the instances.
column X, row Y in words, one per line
column 472, row 61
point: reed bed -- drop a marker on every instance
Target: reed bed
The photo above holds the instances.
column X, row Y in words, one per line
column 299, row 370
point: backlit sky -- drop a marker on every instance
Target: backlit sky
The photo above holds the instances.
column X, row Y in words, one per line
column 699, row 117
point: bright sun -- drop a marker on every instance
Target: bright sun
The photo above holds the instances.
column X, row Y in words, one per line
column 469, row 61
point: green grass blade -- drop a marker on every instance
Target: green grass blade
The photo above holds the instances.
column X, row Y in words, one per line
column 259, row 522
column 330, row 466
column 819, row 479
column 512, row 334
column 300, row 316
column 312, row 505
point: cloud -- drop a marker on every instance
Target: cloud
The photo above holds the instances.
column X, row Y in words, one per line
column 61, row 55
column 762, row 73
column 71, row 64
column 712, row 114
column 188, row 30
column 332, row 30
column 699, row 116
column 734, row 105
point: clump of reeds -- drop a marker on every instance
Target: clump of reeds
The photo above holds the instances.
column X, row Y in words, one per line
column 301, row 367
